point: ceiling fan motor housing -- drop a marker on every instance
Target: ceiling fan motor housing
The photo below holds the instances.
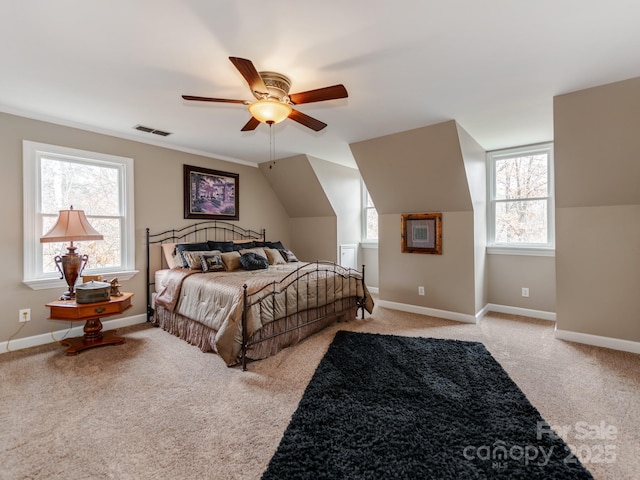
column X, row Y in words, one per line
column 277, row 84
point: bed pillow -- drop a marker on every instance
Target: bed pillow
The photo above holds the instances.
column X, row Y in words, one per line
column 189, row 247
column 243, row 244
column 169, row 252
column 274, row 256
column 276, row 245
column 260, row 251
column 231, row 261
column 288, row 255
column 253, row 261
column 222, row 246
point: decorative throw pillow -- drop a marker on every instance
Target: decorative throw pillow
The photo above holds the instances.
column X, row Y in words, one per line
column 274, row 256
column 231, row 261
column 253, row 261
column 190, row 247
column 193, row 259
column 288, row 255
column 212, row 261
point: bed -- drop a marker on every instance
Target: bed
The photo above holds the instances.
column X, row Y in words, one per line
column 228, row 290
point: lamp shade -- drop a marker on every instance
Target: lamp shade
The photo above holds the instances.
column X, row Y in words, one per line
column 72, row 225
column 269, row 111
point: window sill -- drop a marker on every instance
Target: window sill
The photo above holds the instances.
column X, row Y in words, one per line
column 369, row 244
column 48, row 283
column 528, row 251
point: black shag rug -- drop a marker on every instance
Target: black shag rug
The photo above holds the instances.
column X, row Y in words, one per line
column 391, row 407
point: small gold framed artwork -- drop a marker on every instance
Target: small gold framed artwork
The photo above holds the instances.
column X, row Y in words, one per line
column 422, row 233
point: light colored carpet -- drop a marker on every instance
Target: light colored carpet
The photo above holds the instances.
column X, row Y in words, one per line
column 158, row 408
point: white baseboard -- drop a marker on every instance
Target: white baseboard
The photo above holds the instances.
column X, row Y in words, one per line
column 51, row 337
column 525, row 312
column 598, row 341
column 373, row 289
column 433, row 312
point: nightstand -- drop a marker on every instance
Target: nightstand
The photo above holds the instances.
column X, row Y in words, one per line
column 90, row 313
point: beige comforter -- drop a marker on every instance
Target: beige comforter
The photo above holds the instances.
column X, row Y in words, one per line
column 215, row 299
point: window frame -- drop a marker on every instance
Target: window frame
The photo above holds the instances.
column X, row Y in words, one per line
column 534, row 249
column 366, row 241
column 32, row 216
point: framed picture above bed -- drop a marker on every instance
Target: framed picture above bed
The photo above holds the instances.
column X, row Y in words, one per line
column 211, row 194
column 422, row 233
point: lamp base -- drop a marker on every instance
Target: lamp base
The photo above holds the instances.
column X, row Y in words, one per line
column 68, row 296
column 71, row 266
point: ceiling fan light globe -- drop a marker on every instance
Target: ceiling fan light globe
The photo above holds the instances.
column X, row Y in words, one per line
column 269, row 111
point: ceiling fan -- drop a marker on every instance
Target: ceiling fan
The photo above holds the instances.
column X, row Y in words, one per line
column 273, row 101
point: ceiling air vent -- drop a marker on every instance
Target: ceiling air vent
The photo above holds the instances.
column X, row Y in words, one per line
column 142, row 128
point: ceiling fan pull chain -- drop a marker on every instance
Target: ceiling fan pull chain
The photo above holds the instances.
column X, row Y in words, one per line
column 272, row 146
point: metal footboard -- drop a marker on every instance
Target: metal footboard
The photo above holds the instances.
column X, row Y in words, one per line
column 300, row 315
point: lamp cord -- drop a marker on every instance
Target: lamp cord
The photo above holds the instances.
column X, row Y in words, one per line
column 51, row 333
column 65, row 333
column 11, row 337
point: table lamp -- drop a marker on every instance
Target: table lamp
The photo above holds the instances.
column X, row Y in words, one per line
column 72, row 225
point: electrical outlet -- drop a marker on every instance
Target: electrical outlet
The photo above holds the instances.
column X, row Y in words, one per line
column 24, row 315
column 525, row 292
column 420, row 290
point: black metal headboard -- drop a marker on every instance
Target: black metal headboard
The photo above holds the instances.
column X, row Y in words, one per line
column 215, row 230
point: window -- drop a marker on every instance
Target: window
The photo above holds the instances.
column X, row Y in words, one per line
column 521, row 214
column 56, row 178
column 369, row 218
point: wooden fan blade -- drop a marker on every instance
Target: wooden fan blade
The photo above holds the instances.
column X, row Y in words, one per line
column 251, row 124
column 250, row 74
column 209, row 99
column 319, row 95
column 306, row 120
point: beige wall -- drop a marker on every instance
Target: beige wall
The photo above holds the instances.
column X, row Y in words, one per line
column 313, row 222
column 369, row 258
column 475, row 164
column 599, row 274
column 158, row 205
column 342, row 187
column 323, row 202
column 419, row 171
column 508, row 274
column 314, row 238
column 297, row 186
column 597, row 167
column 415, row 171
column 447, row 279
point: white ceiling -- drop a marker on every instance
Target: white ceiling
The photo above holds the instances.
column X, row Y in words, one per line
column 491, row 65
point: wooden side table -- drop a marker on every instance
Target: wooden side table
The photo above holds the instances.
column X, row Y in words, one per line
column 91, row 313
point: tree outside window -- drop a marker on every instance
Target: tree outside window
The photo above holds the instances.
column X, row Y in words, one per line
column 57, row 178
column 522, row 197
column 370, row 218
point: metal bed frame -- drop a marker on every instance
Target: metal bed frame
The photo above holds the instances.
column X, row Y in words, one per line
column 295, row 317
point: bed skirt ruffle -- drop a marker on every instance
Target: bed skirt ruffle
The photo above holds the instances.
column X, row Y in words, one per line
column 264, row 343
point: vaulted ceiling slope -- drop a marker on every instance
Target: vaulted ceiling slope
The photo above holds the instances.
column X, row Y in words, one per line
column 415, row 171
column 493, row 66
